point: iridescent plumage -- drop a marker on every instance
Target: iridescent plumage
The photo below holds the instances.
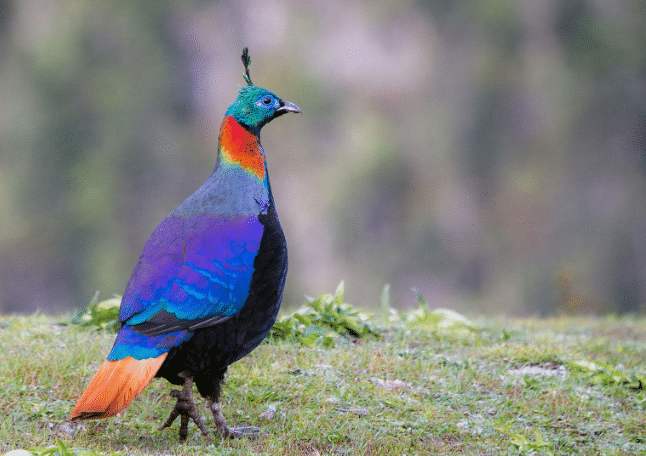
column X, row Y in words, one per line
column 208, row 285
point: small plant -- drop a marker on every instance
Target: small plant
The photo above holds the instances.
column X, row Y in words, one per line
column 324, row 319
column 529, row 446
column 438, row 320
column 601, row 373
column 103, row 315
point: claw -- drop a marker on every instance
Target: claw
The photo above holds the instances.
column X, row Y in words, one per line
column 185, row 408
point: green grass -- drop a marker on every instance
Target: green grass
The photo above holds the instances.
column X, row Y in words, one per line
column 511, row 386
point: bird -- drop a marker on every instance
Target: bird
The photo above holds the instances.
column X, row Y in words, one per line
column 209, row 282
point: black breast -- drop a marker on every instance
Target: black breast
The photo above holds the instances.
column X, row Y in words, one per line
column 208, row 353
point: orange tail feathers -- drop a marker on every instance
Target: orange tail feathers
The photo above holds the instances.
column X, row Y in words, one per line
column 114, row 386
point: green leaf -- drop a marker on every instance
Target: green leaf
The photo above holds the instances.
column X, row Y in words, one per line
column 520, row 441
column 324, row 319
column 525, row 445
column 600, row 373
column 103, row 315
column 438, row 320
column 302, row 319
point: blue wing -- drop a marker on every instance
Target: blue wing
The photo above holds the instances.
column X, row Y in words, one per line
column 193, row 272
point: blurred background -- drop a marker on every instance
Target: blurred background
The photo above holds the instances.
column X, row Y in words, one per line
column 489, row 153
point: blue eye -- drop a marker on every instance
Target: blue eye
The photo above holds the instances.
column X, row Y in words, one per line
column 266, row 101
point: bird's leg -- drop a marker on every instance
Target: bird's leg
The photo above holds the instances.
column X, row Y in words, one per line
column 223, row 428
column 227, row 431
column 184, row 407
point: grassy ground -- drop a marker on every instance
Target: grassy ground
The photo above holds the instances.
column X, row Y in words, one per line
column 556, row 386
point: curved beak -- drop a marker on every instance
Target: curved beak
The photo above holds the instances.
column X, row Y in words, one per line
column 285, row 107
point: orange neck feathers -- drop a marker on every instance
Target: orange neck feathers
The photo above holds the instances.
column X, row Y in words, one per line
column 241, row 147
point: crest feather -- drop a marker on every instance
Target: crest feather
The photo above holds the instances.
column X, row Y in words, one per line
column 246, row 61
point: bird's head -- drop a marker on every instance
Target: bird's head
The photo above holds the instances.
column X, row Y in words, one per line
column 255, row 106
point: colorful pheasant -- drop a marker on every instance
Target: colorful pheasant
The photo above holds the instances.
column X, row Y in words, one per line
column 208, row 285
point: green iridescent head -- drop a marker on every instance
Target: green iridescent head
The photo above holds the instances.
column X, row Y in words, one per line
column 255, row 106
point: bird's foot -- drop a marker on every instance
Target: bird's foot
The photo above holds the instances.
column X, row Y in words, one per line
column 228, row 432
column 250, row 432
column 185, row 408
